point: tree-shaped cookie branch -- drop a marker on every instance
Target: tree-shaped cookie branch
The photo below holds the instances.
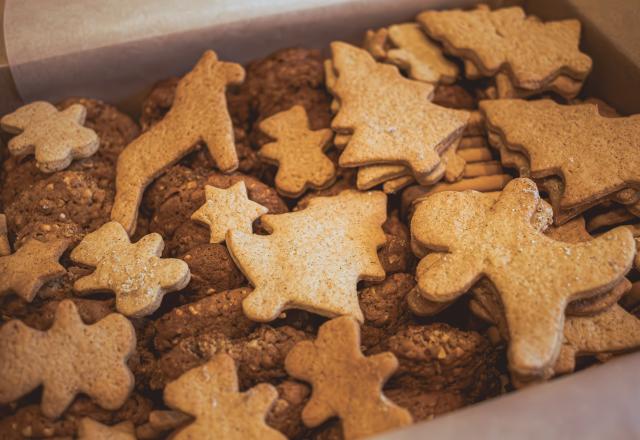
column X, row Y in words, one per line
column 345, row 382
column 133, row 271
column 534, row 275
column 228, row 210
column 55, row 137
column 25, row 271
column 371, row 95
column 199, row 114
column 533, row 52
column 298, row 151
column 210, row 394
column 68, row 359
column 314, row 258
column 595, row 155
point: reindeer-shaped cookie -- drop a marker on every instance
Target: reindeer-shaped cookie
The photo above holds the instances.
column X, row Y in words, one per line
column 534, row 275
column 199, row 114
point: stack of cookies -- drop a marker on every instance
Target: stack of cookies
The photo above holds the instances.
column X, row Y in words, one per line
column 524, row 55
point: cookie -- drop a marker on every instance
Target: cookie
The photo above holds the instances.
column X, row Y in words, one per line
column 89, row 429
column 228, row 210
column 55, row 137
column 555, row 136
column 134, row 272
column 298, row 152
column 68, row 359
column 178, row 133
column 313, row 258
column 210, row 394
column 611, row 331
column 370, row 95
column 420, row 57
column 575, row 231
column 32, row 265
column 495, row 238
column 532, row 52
column 345, row 383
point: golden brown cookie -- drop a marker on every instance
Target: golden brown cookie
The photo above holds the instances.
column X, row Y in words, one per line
column 370, row 95
column 594, row 155
column 345, row 383
column 35, row 263
column 55, row 137
column 298, row 151
column 134, row 272
column 534, row 275
column 313, row 258
column 210, row 394
column 533, row 52
column 198, row 114
column 68, row 359
column 228, row 210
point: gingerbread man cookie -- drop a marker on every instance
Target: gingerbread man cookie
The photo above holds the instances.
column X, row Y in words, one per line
column 68, row 359
column 55, row 137
column 35, row 263
column 345, row 382
column 199, row 114
column 298, row 151
column 210, row 394
column 534, row 275
column 134, row 272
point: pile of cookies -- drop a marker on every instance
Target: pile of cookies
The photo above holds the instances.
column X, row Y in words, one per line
column 314, row 248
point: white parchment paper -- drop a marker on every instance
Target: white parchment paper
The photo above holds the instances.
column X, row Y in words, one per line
column 113, row 49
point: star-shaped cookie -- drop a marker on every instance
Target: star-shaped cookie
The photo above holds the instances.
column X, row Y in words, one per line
column 298, row 151
column 35, row 263
column 56, row 137
column 210, row 394
column 228, row 210
column 135, row 272
column 535, row 276
column 313, row 258
column 345, row 382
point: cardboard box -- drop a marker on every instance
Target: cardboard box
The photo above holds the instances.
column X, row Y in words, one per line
column 115, row 50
